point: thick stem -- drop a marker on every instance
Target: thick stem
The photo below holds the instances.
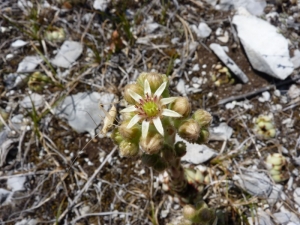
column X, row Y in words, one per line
column 179, row 184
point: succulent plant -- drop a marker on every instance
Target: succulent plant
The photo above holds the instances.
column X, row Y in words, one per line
column 276, row 165
column 149, row 126
column 264, row 126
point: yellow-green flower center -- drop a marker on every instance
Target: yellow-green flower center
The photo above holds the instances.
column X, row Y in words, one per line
column 151, row 108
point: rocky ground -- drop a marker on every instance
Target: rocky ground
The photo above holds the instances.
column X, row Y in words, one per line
column 64, row 63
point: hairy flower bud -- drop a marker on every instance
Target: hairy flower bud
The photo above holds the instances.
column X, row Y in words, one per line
column 203, row 117
column 154, row 79
column 128, row 149
column 189, row 212
column 182, row 106
column 180, row 148
column 189, row 130
column 134, row 88
column 203, row 136
column 116, row 136
column 152, row 143
column 132, row 133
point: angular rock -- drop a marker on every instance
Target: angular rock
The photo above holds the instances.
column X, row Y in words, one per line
column 255, row 7
column 101, row 4
column 255, row 183
column 28, row 64
column 68, row 53
column 196, row 154
column 266, row 48
column 219, row 51
column 82, row 110
column 34, row 99
column 202, row 31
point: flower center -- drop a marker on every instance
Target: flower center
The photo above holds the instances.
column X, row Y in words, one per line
column 150, row 108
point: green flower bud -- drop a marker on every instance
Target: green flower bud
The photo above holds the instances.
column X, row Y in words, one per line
column 200, row 188
column 274, row 172
column 116, row 136
column 276, row 159
column 182, row 106
column 154, row 79
column 199, row 177
column 207, row 179
column 135, row 88
column 189, row 212
column 128, row 149
column 132, row 133
column 180, row 148
column 203, row 117
column 200, row 215
column 189, row 130
column 280, row 177
column 264, row 127
column 190, row 176
column 203, row 137
column 153, row 143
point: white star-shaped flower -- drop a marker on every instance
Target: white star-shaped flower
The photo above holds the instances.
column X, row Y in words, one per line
column 150, row 108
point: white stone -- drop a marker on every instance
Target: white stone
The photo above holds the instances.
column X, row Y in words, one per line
column 196, row 67
column 68, row 53
column 16, row 183
column 28, row 64
column 219, row 51
column 180, row 87
column 202, row 31
column 297, row 195
column 82, row 110
column 195, row 153
column 221, row 132
column 255, row 7
column 293, row 91
column 34, row 100
column 101, row 4
column 296, row 59
column 255, row 183
column 18, row 43
column 267, row 50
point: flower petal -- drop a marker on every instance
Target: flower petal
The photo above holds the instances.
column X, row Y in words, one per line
column 130, row 108
column 165, row 101
column 133, row 121
column 158, row 125
column 145, row 128
column 171, row 113
column 135, row 96
column 147, row 89
column 161, row 89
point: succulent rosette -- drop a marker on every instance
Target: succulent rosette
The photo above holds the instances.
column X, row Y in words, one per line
column 150, row 108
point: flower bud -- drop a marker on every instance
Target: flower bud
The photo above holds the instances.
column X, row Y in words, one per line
column 132, row 133
column 190, row 176
column 276, row 159
column 189, row 212
column 116, row 136
column 154, row 79
column 189, row 130
column 128, row 149
column 203, row 137
column 199, row 177
column 152, row 143
column 180, row 148
column 203, row 117
column 182, row 106
column 135, row 88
